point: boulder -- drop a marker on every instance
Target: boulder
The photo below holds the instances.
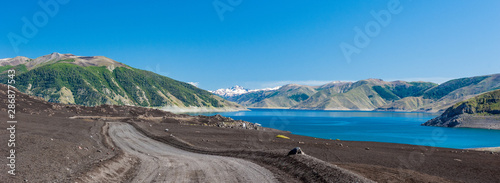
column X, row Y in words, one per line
column 295, row 151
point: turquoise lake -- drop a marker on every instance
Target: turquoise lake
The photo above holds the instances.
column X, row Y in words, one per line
column 393, row 127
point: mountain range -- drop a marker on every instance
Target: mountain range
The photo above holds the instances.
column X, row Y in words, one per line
column 238, row 90
column 371, row 94
column 96, row 80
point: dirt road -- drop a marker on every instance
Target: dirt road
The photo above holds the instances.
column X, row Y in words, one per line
column 162, row 163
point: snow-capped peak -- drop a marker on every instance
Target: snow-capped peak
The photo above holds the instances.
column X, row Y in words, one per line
column 265, row 89
column 229, row 92
column 238, row 90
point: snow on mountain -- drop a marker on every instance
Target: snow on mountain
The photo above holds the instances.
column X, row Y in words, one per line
column 265, row 89
column 229, row 92
column 238, row 90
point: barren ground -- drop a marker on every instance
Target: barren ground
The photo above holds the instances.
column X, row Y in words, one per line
column 163, row 163
column 52, row 147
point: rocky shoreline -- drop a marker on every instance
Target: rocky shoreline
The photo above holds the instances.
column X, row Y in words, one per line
column 479, row 112
column 466, row 121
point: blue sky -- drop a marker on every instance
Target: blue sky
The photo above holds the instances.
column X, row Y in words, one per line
column 265, row 44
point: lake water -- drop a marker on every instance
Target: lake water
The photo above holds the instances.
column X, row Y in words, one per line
column 394, row 127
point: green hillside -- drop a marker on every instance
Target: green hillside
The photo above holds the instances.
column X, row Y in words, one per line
column 452, row 85
column 363, row 95
column 482, row 111
column 19, row 69
column 66, row 82
column 485, row 104
column 411, row 89
column 385, row 93
column 286, row 96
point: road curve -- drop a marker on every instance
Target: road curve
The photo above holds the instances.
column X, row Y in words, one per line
column 160, row 162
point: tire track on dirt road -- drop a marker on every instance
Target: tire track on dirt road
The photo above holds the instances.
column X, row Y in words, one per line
column 160, row 162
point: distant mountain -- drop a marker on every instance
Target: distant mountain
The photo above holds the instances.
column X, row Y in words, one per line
column 482, row 111
column 283, row 97
column 362, row 95
column 229, row 92
column 14, row 61
column 238, row 90
column 372, row 94
column 95, row 80
column 439, row 98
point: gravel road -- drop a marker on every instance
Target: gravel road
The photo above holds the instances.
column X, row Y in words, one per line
column 162, row 163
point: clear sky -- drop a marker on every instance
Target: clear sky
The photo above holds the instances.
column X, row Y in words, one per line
column 263, row 44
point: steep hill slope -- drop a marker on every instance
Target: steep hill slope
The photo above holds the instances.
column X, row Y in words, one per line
column 482, row 111
column 475, row 85
column 96, row 80
column 363, row 95
column 439, row 98
column 284, row 97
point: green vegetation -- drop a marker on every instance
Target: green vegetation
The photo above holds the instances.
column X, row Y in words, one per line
column 3, row 71
column 50, row 78
column 254, row 97
column 448, row 87
column 385, row 93
column 485, row 104
column 19, row 68
column 495, row 88
column 275, row 93
column 66, row 60
column 93, row 85
column 299, row 97
column 286, row 96
column 414, row 89
column 54, row 62
column 5, row 68
column 149, row 81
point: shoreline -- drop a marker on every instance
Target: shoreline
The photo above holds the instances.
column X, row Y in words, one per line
column 487, row 149
column 343, row 110
column 181, row 110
